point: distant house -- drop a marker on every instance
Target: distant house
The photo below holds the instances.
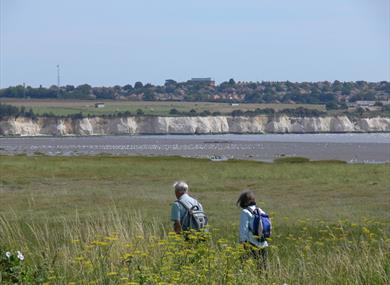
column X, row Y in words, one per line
column 362, row 104
column 365, row 103
column 99, row 105
column 205, row 80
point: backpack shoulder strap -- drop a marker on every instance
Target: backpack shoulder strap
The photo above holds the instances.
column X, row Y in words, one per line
column 189, row 209
column 250, row 210
column 184, row 205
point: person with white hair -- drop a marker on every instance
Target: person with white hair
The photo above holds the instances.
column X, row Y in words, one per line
column 186, row 212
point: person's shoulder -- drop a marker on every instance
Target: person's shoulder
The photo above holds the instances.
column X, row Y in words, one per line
column 261, row 210
column 192, row 199
column 245, row 212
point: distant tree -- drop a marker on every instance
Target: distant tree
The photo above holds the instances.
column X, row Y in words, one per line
column 149, row 95
column 232, row 82
column 237, row 113
column 327, row 97
column 205, row 113
column 138, row 85
column 343, row 106
column 193, row 112
column 128, row 87
column 170, row 86
column 361, row 83
column 76, row 116
column 369, row 96
column 140, row 112
column 173, row 111
column 331, row 106
column 170, row 82
column 117, row 88
column 360, row 111
column 8, row 110
column 84, row 89
column 69, row 88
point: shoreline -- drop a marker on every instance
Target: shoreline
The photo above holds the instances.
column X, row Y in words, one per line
column 353, row 148
column 190, row 134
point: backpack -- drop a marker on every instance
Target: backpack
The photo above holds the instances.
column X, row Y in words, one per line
column 262, row 226
column 194, row 218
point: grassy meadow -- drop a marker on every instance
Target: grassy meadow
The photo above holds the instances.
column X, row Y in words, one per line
column 157, row 108
column 105, row 220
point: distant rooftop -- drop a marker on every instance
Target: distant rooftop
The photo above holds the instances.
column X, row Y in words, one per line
column 204, row 79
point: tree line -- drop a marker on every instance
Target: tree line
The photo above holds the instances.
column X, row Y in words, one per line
column 334, row 94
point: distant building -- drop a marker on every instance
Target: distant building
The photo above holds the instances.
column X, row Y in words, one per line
column 99, row 105
column 365, row 103
column 368, row 105
column 206, row 80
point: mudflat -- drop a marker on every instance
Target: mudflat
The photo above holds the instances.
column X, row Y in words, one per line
column 369, row 148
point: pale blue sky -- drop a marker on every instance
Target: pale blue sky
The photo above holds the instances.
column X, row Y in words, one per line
column 123, row 41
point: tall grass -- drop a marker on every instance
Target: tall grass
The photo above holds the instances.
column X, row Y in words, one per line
column 104, row 220
column 127, row 248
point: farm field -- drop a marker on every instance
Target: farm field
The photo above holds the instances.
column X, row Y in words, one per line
column 68, row 107
column 105, row 220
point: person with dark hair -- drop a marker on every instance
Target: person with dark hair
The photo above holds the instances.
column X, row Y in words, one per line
column 255, row 244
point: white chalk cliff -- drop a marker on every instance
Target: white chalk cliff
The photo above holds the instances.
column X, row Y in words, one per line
column 188, row 125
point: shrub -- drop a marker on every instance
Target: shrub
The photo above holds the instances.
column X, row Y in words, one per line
column 295, row 159
column 13, row 269
column 174, row 111
column 140, row 112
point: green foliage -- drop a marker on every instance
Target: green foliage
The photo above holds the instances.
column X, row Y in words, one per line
column 330, row 161
column 126, row 249
column 140, row 112
column 14, row 270
column 104, row 220
column 138, row 85
column 332, row 94
column 295, row 159
column 174, row 111
column 149, row 96
column 7, row 110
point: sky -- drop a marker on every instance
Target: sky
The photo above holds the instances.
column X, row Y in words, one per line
column 118, row 42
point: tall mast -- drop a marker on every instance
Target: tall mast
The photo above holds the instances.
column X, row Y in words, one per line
column 58, row 80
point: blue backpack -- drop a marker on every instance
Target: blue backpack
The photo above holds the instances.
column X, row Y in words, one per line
column 262, row 226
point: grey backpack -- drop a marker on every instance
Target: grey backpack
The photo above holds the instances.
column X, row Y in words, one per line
column 195, row 218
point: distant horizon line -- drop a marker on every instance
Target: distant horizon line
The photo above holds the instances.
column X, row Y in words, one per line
column 211, row 78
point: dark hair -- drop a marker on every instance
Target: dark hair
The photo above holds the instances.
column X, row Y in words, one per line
column 246, row 199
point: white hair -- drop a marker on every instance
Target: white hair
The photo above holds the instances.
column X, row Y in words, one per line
column 180, row 186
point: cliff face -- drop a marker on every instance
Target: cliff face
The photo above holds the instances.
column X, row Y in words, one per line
column 189, row 125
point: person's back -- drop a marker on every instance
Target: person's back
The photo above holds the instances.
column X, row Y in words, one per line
column 184, row 207
column 257, row 247
column 246, row 235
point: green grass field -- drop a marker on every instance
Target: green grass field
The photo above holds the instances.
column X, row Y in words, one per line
column 68, row 107
column 105, row 220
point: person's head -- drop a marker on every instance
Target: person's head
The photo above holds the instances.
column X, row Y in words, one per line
column 180, row 188
column 247, row 198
